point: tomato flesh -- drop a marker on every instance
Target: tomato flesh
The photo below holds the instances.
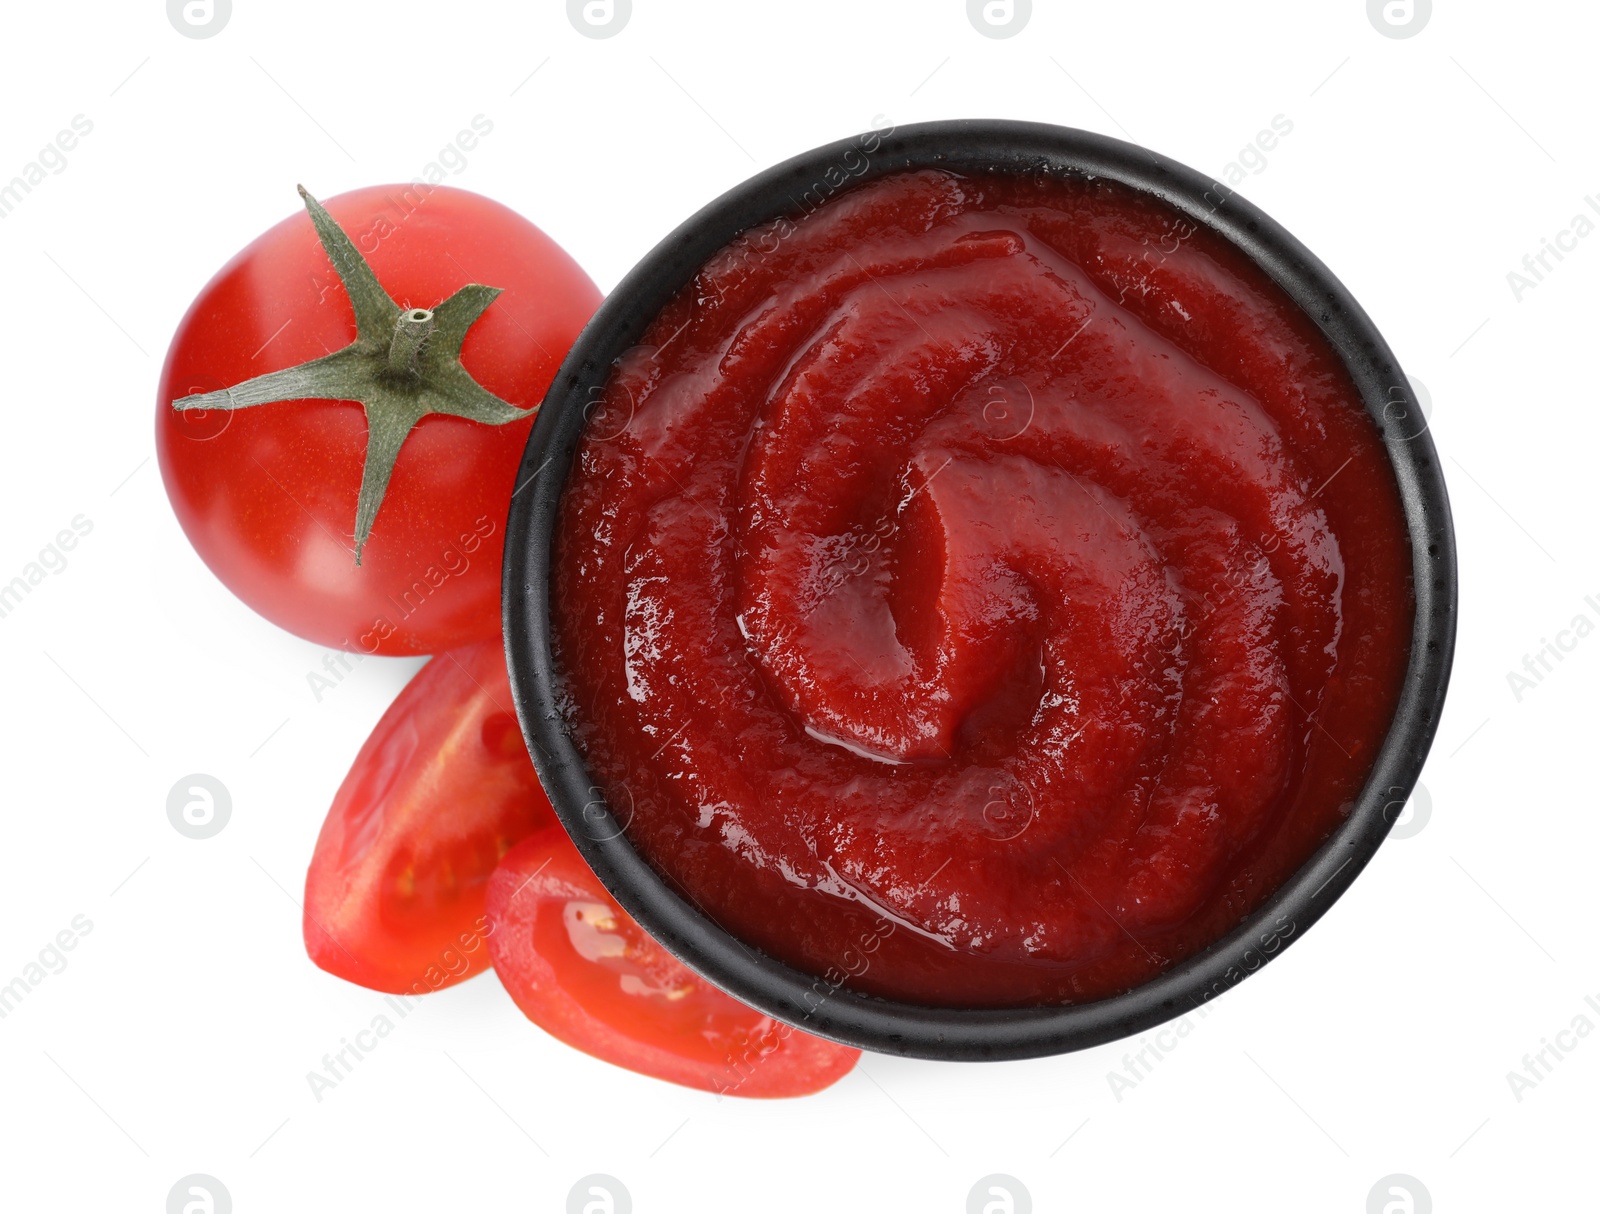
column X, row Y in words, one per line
column 441, row 791
column 580, row 968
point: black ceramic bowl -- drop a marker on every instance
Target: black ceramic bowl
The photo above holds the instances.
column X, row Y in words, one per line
column 886, row 1025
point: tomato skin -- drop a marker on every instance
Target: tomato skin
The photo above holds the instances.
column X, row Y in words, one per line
column 267, row 495
column 440, row 791
column 586, row 973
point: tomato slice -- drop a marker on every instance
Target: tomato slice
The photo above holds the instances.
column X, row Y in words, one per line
column 439, row 793
column 585, row 972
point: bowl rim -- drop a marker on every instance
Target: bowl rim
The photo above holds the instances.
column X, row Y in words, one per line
column 821, row 1004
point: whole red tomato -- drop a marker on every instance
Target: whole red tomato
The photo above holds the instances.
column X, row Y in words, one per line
column 268, row 490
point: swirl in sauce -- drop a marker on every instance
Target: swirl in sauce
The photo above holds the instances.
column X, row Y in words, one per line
column 984, row 590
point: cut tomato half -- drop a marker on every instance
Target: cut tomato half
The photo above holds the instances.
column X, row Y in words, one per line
column 439, row 793
column 585, row 972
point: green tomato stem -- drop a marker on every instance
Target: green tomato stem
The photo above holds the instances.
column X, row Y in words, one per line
column 403, row 365
column 411, row 329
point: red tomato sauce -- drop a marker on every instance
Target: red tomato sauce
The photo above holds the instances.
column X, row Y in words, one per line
column 984, row 590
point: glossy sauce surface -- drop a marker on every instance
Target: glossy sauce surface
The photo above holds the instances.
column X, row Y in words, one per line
column 982, row 590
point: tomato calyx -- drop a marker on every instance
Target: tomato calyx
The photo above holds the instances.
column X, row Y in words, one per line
column 404, row 364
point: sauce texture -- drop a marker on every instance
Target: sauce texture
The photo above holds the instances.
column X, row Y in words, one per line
column 981, row 591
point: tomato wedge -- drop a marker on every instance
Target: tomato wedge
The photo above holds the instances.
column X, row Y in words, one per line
column 585, row 972
column 439, row 793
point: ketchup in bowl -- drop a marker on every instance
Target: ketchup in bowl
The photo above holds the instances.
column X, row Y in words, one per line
column 993, row 577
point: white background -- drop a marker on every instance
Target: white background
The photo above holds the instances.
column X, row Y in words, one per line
column 178, row 1038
